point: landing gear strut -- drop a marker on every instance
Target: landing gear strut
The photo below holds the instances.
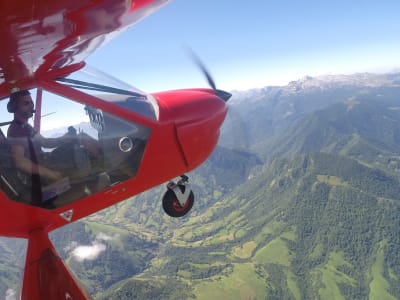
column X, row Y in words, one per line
column 179, row 198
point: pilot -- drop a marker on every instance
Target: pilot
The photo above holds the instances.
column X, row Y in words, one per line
column 26, row 144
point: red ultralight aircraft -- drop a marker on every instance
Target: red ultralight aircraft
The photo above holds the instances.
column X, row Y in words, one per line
column 127, row 141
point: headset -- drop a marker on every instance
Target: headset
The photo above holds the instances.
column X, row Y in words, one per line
column 13, row 102
column 12, row 105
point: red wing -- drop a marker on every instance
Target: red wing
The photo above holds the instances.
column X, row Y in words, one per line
column 46, row 36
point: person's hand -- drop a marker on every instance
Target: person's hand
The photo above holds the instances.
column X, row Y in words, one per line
column 54, row 175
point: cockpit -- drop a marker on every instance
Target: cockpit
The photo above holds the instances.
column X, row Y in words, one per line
column 97, row 148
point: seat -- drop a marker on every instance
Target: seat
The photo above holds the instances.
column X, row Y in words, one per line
column 10, row 182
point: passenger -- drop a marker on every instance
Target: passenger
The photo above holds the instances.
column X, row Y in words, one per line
column 26, row 145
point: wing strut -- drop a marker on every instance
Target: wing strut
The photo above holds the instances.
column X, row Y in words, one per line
column 38, row 109
column 46, row 276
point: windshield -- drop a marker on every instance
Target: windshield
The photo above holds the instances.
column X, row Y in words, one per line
column 110, row 89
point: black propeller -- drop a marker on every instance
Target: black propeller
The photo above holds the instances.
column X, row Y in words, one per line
column 236, row 134
column 220, row 93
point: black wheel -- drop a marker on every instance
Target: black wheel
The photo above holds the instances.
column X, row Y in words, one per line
column 171, row 205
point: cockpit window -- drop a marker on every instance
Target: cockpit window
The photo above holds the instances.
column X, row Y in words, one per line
column 110, row 89
column 77, row 151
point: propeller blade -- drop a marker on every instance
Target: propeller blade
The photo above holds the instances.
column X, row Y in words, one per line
column 220, row 93
column 203, row 68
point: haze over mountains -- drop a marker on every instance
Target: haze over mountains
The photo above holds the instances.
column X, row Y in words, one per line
column 300, row 200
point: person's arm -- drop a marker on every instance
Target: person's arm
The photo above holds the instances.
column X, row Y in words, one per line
column 27, row 166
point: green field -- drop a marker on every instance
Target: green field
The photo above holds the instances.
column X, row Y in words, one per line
column 276, row 251
column 378, row 287
column 242, row 284
column 331, row 277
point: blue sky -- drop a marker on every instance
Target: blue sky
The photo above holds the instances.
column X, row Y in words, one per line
column 254, row 43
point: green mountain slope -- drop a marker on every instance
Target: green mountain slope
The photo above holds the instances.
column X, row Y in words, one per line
column 363, row 128
column 303, row 228
column 263, row 113
column 12, row 254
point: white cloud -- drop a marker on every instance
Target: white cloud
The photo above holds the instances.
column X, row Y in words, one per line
column 89, row 252
column 11, row 295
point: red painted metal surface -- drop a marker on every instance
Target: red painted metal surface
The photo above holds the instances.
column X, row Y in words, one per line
column 184, row 137
column 40, row 36
column 46, row 276
column 49, row 39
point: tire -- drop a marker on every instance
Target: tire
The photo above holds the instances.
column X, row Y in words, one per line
column 171, row 205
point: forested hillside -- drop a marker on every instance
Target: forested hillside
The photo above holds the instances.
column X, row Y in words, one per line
column 299, row 230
